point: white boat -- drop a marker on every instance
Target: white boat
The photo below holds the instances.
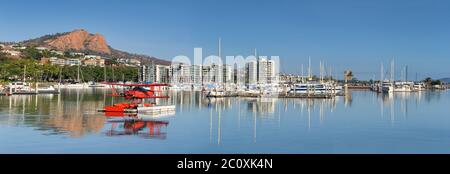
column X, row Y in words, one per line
column 181, row 87
column 316, row 88
column 47, row 90
column 197, row 87
column 97, row 85
column 75, row 86
column 216, row 94
column 404, row 87
column 419, row 87
column 19, row 87
column 387, row 87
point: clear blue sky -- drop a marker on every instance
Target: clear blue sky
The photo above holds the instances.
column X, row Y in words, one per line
column 348, row 34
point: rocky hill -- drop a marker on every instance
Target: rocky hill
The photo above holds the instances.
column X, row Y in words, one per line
column 81, row 40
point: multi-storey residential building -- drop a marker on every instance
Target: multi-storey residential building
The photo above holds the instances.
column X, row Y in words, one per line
column 181, row 73
column 261, row 71
column 197, row 72
column 266, row 71
column 155, row 73
column 252, row 72
column 228, row 74
column 216, row 74
column 206, row 77
column 240, row 75
column 162, row 74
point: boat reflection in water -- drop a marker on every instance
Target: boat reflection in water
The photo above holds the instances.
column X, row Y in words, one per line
column 66, row 114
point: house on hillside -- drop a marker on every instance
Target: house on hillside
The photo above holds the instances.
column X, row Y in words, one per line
column 18, row 47
column 44, row 61
column 73, row 62
column 134, row 62
column 59, row 53
column 12, row 53
column 57, row 61
column 73, row 54
column 91, row 57
column 94, row 62
column 42, row 48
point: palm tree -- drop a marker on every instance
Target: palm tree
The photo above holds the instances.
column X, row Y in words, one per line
column 428, row 81
column 348, row 75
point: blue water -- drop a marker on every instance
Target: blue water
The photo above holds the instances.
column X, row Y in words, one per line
column 362, row 122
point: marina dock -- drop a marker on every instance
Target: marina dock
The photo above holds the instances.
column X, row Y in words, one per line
column 28, row 93
column 279, row 95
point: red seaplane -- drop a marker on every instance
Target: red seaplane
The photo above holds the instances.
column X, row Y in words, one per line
column 136, row 95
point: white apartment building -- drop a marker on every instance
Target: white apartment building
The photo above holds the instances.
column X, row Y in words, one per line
column 197, row 74
column 252, row 72
column 266, row 71
column 162, row 74
column 181, row 73
column 228, row 74
column 216, row 73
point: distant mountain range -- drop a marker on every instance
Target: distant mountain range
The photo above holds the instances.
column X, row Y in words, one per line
column 81, row 40
column 446, row 80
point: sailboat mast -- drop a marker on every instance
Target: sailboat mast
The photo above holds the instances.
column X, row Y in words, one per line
column 321, row 71
column 60, row 69
column 78, row 73
column 257, row 66
column 113, row 77
column 104, row 73
column 392, row 70
column 223, row 67
column 406, row 73
column 303, row 75
column 331, row 76
column 309, row 68
column 24, row 72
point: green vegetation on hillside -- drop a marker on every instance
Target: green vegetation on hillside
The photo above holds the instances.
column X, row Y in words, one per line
column 11, row 70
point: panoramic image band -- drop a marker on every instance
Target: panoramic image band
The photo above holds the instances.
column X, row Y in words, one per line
column 224, row 77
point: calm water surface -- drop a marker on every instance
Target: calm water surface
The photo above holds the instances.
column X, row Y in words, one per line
column 362, row 122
